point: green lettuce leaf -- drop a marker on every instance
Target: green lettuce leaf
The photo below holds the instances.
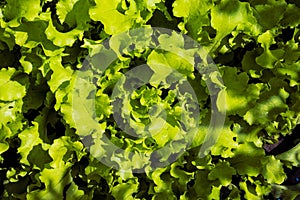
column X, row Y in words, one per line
column 223, row 172
column 15, row 10
column 10, row 90
column 29, row 138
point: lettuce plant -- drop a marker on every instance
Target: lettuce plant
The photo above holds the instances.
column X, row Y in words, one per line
column 143, row 99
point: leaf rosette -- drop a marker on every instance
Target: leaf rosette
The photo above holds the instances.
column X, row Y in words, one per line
column 135, row 97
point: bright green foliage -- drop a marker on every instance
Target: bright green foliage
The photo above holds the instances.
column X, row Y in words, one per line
column 10, row 106
column 124, row 190
column 236, row 87
column 273, row 170
column 223, row 172
column 78, row 114
column 114, row 21
column 225, row 144
column 291, row 156
column 228, row 15
column 56, row 180
column 195, row 15
column 29, row 138
column 15, row 10
column 7, row 86
column 74, row 13
column 247, row 159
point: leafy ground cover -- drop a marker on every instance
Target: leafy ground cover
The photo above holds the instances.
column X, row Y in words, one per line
column 71, row 128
